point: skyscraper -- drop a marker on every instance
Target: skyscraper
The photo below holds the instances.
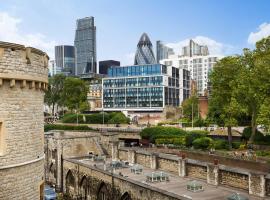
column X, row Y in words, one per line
column 144, row 54
column 65, row 59
column 163, row 51
column 85, row 46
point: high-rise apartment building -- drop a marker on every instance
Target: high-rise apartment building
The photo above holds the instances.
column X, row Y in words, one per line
column 163, row 51
column 106, row 64
column 65, row 59
column 194, row 49
column 197, row 60
column 144, row 87
column 144, row 54
column 85, row 46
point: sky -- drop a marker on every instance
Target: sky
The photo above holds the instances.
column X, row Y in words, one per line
column 226, row 26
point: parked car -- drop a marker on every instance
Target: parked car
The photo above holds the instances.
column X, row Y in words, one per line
column 49, row 193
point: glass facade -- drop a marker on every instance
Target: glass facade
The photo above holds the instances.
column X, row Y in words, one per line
column 65, row 59
column 106, row 64
column 85, row 43
column 141, row 86
column 144, row 54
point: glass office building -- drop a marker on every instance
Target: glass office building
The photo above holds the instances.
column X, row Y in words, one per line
column 141, row 87
column 65, row 59
column 144, row 54
column 85, row 44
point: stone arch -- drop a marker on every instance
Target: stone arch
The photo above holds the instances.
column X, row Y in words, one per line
column 125, row 196
column 83, row 187
column 70, row 183
column 103, row 193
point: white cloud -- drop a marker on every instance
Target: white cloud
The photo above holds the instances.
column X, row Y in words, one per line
column 214, row 47
column 9, row 32
column 263, row 31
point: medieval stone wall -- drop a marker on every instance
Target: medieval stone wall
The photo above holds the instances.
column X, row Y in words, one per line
column 23, row 77
column 86, row 181
column 196, row 171
column 233, row 179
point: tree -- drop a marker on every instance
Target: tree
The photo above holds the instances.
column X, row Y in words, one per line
column 54, row 92
column 264, row 115
column 190, row 107
column 223, row 106
column 75, row 94
column 253, row 84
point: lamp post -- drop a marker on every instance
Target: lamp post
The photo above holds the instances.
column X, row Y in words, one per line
column 102, row 117
column 192, row 115
column 77, row 115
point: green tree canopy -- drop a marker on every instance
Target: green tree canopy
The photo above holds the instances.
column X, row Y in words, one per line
column 190, row 107
column 54, row 92
column 75, row 94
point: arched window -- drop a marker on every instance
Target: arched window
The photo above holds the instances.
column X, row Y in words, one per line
column 103, row 193
column 126, row 196
column 70, row 183
column 84, row 188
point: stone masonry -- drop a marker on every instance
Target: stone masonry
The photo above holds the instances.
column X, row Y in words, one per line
column 23, row 79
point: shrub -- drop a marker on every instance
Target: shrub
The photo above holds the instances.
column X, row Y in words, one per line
column 263, row 153
column 118, row 118
column 153, row 133
column 202, row 143
column 193, row 135
column 236, row 145
column 242, row 147
column 48, row 127
column 221, row 144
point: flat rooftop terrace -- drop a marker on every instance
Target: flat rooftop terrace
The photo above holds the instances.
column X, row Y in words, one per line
column 176, row 184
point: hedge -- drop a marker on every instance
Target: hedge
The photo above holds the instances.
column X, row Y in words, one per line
column 179, row 141
column 48, row 127
column 97, row 118
column 153, row 133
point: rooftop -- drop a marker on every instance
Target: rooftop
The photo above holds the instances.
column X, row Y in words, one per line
column 175, row 185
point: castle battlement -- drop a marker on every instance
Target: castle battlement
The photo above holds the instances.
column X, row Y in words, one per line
column 27, row 66
column 23, row 79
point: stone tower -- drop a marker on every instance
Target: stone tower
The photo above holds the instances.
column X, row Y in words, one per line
column 23, row 79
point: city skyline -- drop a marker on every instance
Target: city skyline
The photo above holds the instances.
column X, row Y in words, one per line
column 43, row 25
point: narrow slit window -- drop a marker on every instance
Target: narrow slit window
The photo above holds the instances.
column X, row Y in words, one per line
column 2, row 139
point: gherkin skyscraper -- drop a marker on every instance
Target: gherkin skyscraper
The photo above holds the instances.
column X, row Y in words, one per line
column 144, row 54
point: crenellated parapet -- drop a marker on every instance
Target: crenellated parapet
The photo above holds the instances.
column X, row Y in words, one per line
column 24, row 66
column 23, row 79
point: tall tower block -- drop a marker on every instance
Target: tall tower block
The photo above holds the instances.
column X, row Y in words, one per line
column 23, row 79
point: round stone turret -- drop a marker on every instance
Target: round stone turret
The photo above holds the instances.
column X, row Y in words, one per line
column 23, row 79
